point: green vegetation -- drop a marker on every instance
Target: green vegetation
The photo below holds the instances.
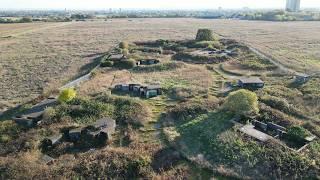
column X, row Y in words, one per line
column 125, row 64
column 280, row 15
column 121, row 64
column 242, row 102
column 297, row 134
column 83, row 110
column 205, row 35
column 252, row 61
column 67, row 95
column 19, row 20
column 211, row 135
column 211, row 45
column 124, row 110
column 191, row 114
column 187, row 57
column 158, row 67
column 107, row 63
column 8, row 131
column 124, row 45
column 282, row 105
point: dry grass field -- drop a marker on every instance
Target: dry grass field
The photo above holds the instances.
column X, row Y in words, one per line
column 37, row 54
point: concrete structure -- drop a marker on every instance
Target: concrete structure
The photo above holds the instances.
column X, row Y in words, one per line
column 293, row 5
column 47, row 159
column 147, row 62
column 75, row 134
column 251, row 131
column 302, row 78
column 52, row 141
column 251, row 82
column 34, row 115
column 150, row 91
column 116, row 57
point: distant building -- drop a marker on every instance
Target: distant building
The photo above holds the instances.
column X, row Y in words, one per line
column 293, row 5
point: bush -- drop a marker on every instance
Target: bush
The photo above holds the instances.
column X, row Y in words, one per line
column 242, row 102
column 107, row 64
column 125, row 64
column 8, row 131
column 25, row 20
column 67, row 95
column 188, row 110
column 297, row 134
column 125, row 52
column 268, row 114
column 204, row 35
column 159, row 67
column 282, row 105
column 84, row 110
column 124, row 45
column 127, row 110
column 207, row 44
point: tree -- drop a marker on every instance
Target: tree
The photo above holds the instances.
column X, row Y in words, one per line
column 242, row 102
column 26, row 20
column 204, row 35
column 67, row 95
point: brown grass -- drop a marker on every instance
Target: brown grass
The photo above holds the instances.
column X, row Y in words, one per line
column 37, row 54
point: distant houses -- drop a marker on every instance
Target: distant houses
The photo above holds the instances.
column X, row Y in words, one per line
column 146, row 91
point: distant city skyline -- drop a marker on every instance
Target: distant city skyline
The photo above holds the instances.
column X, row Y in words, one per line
column 149, row 4
column 293, row 5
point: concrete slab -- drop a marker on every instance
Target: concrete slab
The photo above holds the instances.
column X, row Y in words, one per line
column 249, row 130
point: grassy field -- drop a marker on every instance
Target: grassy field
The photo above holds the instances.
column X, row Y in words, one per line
column 36, row 55
column 184, row 132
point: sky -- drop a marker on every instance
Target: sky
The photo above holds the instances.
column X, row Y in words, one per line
column 149, row 4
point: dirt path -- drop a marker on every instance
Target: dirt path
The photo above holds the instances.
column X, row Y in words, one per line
column 274, row 61
column 40, row 27
column 263, row 55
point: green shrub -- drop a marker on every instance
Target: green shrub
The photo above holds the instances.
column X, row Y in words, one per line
column 242, row 102
column 107, row 64
column 67, row 95
column 207, row 44
column 125, row 52
column 189, row 110
column 204, row 35
column 85, row 110
column 282, row 105
column 127, row 110
column 125, row 64
column 268, row 114
column 253, row 62
column 8, row 131
column 313, row 128
column 159, row 67
column 149, row 50
column 297, row 134
column 124, row 45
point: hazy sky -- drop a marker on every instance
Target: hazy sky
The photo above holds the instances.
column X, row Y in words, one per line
column 149, row 4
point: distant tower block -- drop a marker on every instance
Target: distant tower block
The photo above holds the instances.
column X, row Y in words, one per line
column 293, row 5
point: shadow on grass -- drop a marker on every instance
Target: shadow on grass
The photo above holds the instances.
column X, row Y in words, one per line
column 15, row 111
